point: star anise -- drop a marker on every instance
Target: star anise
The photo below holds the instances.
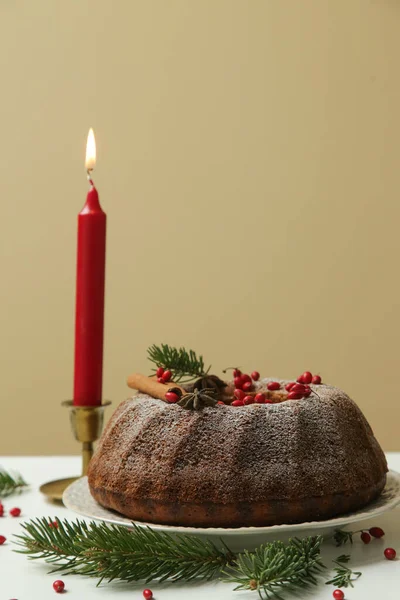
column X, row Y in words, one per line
column 198, row 399
column 208, row 382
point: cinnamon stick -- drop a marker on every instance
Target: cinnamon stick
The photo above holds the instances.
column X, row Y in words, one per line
column 150, row 386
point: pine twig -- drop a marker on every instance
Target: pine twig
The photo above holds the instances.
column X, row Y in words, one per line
column 275, row 566
column 10, row 484
column 184, row 364
column 142, row 554
column 344, row 576
column 341, row 537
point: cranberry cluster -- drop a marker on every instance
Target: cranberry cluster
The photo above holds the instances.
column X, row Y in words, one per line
column 163, row 376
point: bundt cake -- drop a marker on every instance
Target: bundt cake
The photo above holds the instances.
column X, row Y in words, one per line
column 288, row 461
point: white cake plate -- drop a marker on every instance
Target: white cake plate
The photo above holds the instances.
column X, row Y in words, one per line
column 77, row 497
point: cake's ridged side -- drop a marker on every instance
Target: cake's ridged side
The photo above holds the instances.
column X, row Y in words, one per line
column 317, row 454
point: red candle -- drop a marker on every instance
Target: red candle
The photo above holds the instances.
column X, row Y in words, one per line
column 90, row 275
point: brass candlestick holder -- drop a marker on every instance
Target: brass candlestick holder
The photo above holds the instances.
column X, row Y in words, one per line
column 87, row 425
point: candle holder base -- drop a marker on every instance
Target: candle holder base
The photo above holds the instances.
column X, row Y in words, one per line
column 87, row 425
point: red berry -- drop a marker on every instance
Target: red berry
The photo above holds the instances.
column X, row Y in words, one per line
column 237, row 372
column 171, row 397
column 390, row 553
column 160, row 371
column 268, row 401
column 289, row 386
column 307, row 391
column 53, row 525
column 1, row 510
column 316, row 379
column 299, row 388
column 148, row 594
column 294, row 396
column 366, row 538
column 247, row 386
column 220, row 402
column 338, row 594
column 248, row 400
column 274, row 385
column 166, row 376
column 2, row 540
column 15, row 512
column 305, row 378
column 58, row 586
column 376, row 532
column 245, row 378
column 237, row 403
column 255, row 375
column 259, row 398
column 239, row 394
column 160, row 380
column 238, row 383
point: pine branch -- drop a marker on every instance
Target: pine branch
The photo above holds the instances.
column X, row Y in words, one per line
column 142, row 554
column 344, row 576
column 10, row 484
column 184, row 364
column 115, row 552
column 275, row 566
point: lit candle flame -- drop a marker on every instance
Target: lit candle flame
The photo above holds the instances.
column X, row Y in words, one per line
column 90, row 151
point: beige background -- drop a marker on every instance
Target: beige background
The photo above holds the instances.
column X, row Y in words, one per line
column 249, row 157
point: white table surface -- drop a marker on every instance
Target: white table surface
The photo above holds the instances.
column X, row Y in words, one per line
column 23, row 579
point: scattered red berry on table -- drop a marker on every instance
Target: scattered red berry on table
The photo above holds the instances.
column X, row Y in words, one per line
column 338, row 594
column 268, row 401
column 305, row 378
column 289, row 386
column 237, row 403
column 247, row 386
column 366, row 538
column 294, row 396
column 237, row 372
column 390, row 553
column 58, row 586
column 171, row 397
column 160, row 371
column 15, row 512
column 376, row 532
column 255, row 375
column 274, row 385
column 248, row 400
column 2, row 540
column 166, row 376
column 160, row 380
column 316, row 379
column 259, row 398
column 148, row 594
column 239, row 394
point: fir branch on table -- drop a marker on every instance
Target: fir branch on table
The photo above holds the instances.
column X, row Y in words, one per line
column 184, row 364
column 10, row 484
column 275, row 566
column 344, row 576
column 114, row 552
